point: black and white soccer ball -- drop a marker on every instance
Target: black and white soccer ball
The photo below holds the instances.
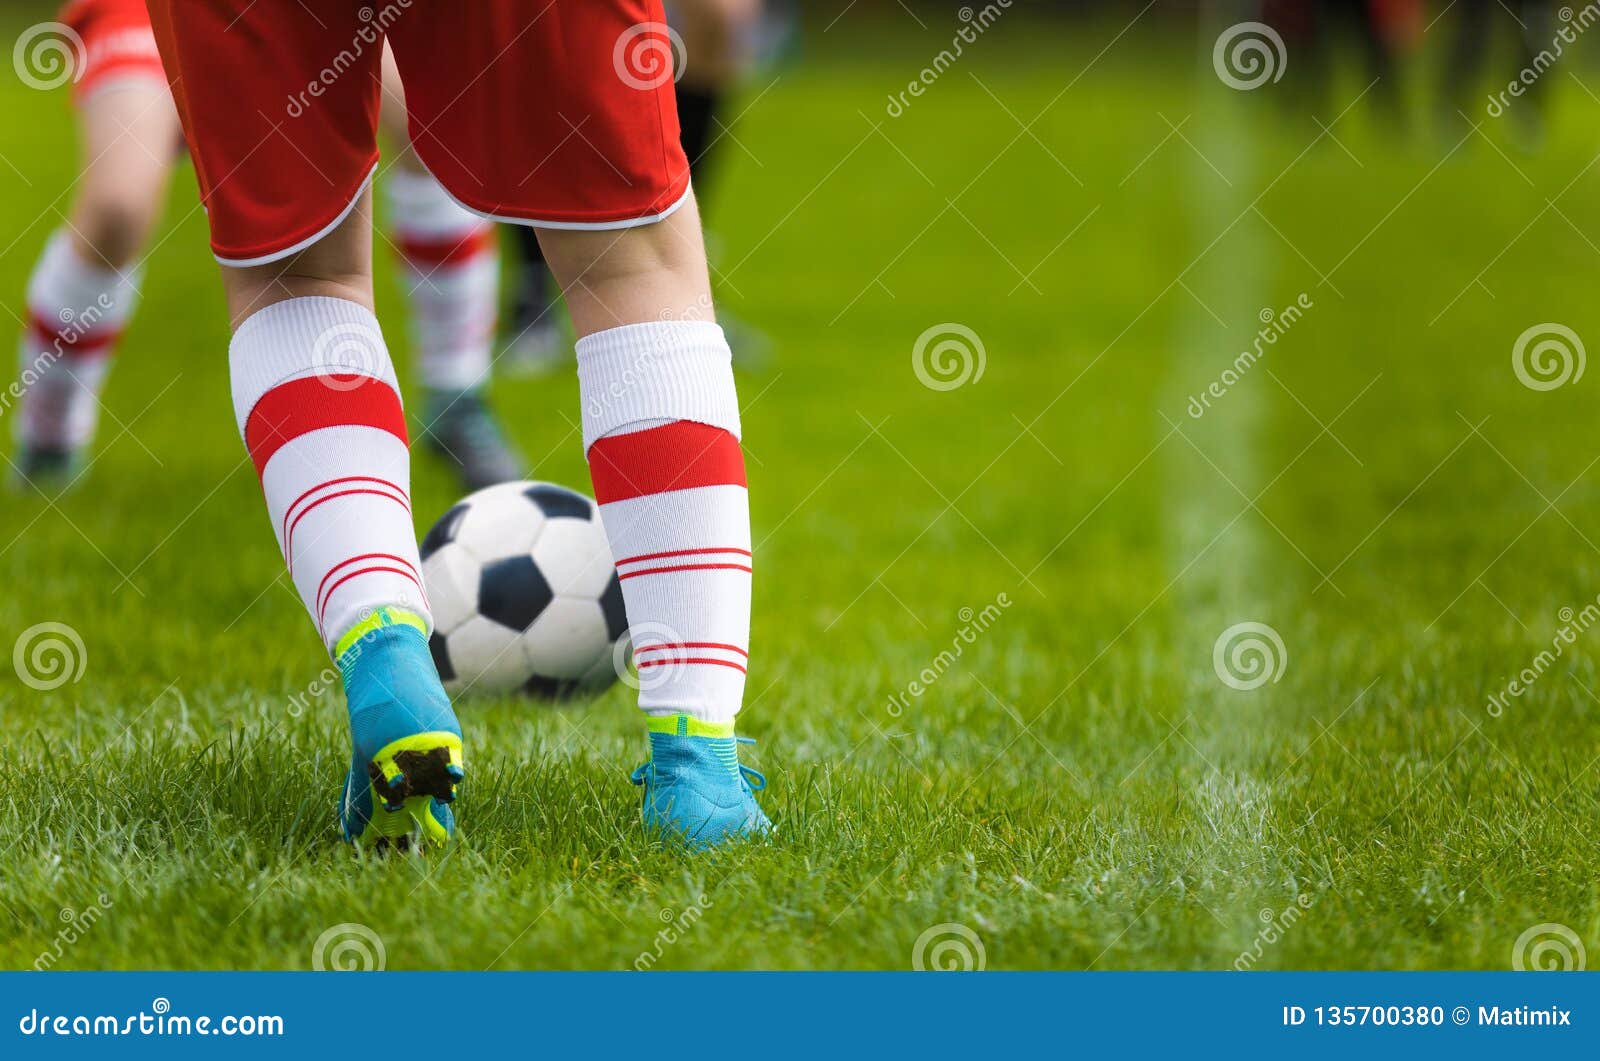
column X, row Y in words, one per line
column 524, row 593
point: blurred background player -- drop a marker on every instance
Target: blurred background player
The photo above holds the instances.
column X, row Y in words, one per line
column 1314, row 31
column 1528, row 27
column 722, row 41
column 85, row 284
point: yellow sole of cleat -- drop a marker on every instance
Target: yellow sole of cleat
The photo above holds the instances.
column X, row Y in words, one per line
column 406, row 776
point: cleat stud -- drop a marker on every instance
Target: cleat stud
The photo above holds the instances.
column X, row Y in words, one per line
column 455, row 771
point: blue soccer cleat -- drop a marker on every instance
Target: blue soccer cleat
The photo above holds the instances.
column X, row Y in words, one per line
column 696, row 792
column 407, row 760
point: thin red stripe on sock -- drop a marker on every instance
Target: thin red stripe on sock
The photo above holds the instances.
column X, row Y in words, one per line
column 452, row 249
column 322, row 604
column 676, row 456
column 684, row 567
column 311, row 403
column 288, row 541
column 680, row 552
column 335, row 482
column 322, row 613
column 670, row 662
column 692, row 644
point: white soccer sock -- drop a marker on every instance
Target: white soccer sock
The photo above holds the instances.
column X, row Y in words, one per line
column 76, row 312
column 661, row 430
column 452, row 278
column 316, row 401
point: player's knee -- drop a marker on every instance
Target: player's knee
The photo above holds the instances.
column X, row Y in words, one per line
column 726, row 18
column 114, row 228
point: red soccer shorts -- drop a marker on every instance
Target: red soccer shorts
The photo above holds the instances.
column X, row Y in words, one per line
column 117, row 43
column 555, row 113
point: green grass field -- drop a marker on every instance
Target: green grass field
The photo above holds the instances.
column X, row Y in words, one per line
column 1079, row 789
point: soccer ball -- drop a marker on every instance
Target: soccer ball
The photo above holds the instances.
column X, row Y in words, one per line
column 524, row 592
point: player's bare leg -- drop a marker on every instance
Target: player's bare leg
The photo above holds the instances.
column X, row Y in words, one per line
column 661, row 429
column 450, row 269
column 86, row 283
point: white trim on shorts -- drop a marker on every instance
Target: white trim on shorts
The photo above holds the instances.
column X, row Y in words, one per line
column 267, row 259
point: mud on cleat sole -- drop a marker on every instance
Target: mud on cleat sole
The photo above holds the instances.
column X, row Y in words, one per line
column 408, row 775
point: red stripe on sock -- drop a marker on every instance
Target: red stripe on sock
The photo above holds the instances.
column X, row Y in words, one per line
column 670, row 662
column 692, row 644
column 70, row 342
column 680, row 552
column 684, row 567
column 335, row 482
column 322, row 613
column 322, row 604
column 311, row 403
column 676, row 456
column 288, row 539
column 452, row 249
